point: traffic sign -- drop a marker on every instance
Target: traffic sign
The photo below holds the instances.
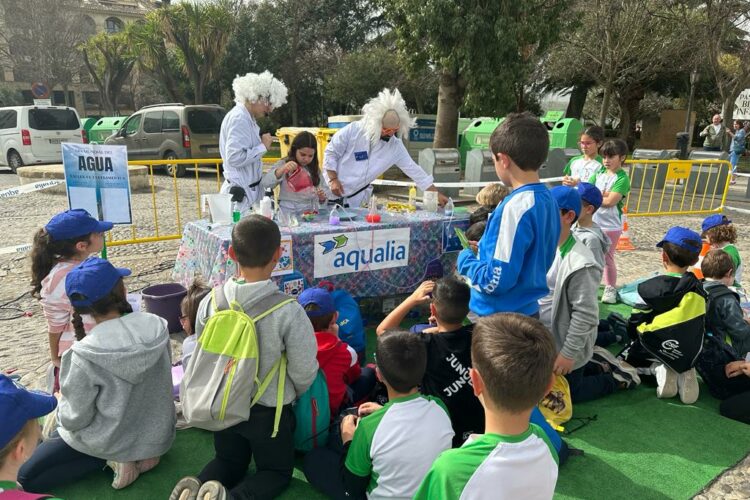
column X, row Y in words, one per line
column 40, row 90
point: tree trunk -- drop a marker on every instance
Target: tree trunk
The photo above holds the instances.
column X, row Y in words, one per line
column 198, row 86
column 605, row 107
column 450, row 97
column 629, row 101
column 293, row 107
column 577, row 101
column 727, row 117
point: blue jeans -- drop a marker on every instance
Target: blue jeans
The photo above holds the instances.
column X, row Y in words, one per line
column 734, row 159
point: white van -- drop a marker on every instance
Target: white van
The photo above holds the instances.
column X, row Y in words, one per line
column 31, row 135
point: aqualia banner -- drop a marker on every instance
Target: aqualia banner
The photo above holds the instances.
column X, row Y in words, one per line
column 352, row 252
column 97, row 181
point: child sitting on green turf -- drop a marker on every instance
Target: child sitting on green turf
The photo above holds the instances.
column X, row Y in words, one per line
column 513, row 356
column 19, row 432
column 721, row 234
column 448, row 345
column 387, row 450
column 585, row 229
column 668, row 336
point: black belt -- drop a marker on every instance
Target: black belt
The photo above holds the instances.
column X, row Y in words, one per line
column 340, row 201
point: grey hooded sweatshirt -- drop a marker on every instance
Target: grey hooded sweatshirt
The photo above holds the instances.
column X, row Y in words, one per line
column 595, row 239
column 116, row 387
column 575, row 308
column 287, row 329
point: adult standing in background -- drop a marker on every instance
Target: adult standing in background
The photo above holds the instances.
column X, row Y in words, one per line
column 360, row 152
column 714, row 135
column 241, row 144
column 737, row 148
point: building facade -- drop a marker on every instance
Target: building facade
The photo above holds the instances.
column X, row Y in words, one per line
column 95, row 16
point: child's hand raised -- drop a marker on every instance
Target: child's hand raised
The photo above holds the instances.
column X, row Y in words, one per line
column 422, row 293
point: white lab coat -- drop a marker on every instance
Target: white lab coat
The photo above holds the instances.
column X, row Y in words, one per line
column 357, row 163
column 242, row 150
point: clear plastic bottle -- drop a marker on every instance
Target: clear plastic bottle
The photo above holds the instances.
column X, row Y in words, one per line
column 266, row 207
column 236, row 215
column 449, row 207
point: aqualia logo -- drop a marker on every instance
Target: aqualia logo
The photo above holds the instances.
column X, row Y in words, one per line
column 351, row 256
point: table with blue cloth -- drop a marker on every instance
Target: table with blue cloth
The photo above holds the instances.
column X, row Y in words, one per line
column 204, row 252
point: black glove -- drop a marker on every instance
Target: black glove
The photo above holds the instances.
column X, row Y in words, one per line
column 238, row 193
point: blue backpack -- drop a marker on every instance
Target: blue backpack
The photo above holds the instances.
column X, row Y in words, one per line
column 351, row 327
column 313, row 414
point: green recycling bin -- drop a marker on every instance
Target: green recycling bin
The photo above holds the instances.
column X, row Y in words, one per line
column 477, row 136
column 565, row 133
column 105, row 127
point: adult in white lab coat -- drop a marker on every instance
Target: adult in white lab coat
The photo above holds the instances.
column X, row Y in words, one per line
column 240, row 143
column 360, row 152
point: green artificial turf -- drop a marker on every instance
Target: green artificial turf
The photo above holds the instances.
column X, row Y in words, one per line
column 638, row 447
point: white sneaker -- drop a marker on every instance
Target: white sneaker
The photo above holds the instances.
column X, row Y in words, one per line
column 687, row 384
column 125, row 473
column 666, row 380
column 610, row 295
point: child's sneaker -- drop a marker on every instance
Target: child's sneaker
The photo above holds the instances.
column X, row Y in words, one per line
column 125, row 473
column 666, row 381
column 186, row 489
column 687, row 385
column 622, row 371
column 147, row 465
column 212, row 490
column 610, row 295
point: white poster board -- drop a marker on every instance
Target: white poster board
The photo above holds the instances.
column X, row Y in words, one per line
column 352, row 252
column 96, row 179
column 742, row 106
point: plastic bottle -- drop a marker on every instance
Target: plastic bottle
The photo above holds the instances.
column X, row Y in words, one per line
column 333, row 218
column 449, row 207
column 236, row 215
column 266, row 207
column 413, row 197
column 269, row 195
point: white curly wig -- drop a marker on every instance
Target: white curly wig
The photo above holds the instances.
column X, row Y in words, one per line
column 255, row 87
column 375, row 110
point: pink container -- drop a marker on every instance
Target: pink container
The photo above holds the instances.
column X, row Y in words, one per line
column 299, row 180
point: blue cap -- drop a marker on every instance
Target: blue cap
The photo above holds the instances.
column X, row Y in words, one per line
column 19, row 405
column 590, row 194
column 713, row 221
column 684, row 238
column 74, row 223
column 321, row 298
column 567, row 198
column 93, row 278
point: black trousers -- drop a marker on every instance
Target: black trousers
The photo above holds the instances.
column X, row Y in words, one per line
column 55, row 463
column 238, row 445
column 737, row 407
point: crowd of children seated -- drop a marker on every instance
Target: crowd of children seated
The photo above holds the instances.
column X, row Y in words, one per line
column 457, row 413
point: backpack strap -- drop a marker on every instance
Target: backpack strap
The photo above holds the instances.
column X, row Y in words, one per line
column 219, row 301
column 268, row 304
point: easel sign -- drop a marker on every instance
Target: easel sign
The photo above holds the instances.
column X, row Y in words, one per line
column 96, row 179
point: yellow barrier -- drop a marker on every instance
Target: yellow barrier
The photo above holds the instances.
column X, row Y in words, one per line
column 677, row 187
column 157, row 219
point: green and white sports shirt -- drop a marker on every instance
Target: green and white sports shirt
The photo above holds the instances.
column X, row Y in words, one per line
column 397, row 444
column 494, row 466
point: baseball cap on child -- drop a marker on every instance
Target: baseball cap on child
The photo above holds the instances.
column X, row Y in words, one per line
column 567, row 198
column 713, row 221
column 18, row 406
column 321, row 298
column 590, row 194
column 682, row 237
column 74, row 223
column 93, row 279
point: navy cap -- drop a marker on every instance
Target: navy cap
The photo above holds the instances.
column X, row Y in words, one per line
column 684, row 238
column 18, row 406
column 567, row 198
column 74, row 223
column 321, row 298
column 93, row 278
column 590, row 194
column 713, row 221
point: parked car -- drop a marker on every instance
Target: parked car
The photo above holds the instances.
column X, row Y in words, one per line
column 171, row 131
column 31, row 135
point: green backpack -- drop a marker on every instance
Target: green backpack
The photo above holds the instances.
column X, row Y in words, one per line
column 221, row 381
column 312, row 413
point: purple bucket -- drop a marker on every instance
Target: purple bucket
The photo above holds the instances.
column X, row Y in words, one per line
column 164, row 300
